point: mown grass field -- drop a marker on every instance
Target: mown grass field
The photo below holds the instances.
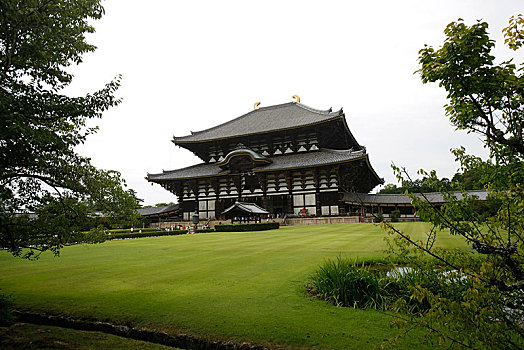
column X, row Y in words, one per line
column 243, row 286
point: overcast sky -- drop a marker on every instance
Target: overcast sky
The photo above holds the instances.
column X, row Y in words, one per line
column 190, row 65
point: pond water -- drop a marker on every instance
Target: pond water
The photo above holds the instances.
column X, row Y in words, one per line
column 449, row 275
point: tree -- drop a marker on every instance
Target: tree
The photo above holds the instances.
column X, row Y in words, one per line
column 487, row 99
column 40, row 127
column 158, row 205
column 420, row 185
column 470, row 179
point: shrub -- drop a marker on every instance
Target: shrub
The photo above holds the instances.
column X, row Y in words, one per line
column 342, row 283
column 395, row 215
column 6, row 315
column 378, row 218
column 261, row 226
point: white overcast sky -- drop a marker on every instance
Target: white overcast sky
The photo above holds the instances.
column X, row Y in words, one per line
column 190, row 65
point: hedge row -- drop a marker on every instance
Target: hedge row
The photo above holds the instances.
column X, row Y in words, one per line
column 204, row 230
column 152, row 234
column 262, row 226
column 128, row 230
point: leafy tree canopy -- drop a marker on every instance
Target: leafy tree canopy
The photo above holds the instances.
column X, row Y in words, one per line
column 418, row 185
column 468, row 179
column 158, row 205
column 40, row 127
column 486, row 98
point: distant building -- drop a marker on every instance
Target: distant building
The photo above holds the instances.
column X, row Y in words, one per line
column 287, row 159
column 155, row 215
column 364, row 204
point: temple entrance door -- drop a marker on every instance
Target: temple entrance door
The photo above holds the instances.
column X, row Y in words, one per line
column 279, row 205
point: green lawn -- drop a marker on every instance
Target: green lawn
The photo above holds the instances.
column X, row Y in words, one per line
column 244, row 286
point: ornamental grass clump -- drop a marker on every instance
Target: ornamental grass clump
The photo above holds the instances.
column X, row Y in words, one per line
column 399, row 284
column 343, row 283
column 405, row 288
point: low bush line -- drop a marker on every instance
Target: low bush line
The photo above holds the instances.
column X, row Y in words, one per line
column 261, row 226
column 113, row 236
column 184, row 341
column 128, row 230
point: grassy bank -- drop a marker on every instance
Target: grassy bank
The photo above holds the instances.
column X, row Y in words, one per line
column 243, row 286
column 27, row 336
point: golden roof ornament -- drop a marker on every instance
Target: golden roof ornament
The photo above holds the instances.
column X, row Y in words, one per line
column 297, row 98
column 256, row 105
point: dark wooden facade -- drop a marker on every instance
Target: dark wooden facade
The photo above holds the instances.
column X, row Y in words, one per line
column 284, row 158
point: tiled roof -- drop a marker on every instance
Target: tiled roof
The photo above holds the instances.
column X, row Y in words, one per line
column 158, row 210
column 198, row 170
column 266, row 119
column 308, row 159
column 432, row 197
column 287, row 161
column 246, row 207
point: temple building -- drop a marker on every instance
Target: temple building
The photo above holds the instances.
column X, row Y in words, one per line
column 289, row 159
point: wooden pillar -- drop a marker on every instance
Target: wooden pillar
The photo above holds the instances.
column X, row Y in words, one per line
column 194, row 187
column 341, row 208
column 289, row 181
column 270, row 145
column 179, row 192
column 262, row 181
column 316, row 178
column 338, row 171
column 237, row 181
column 294, row 143
column 215, row 186
column 265, row 203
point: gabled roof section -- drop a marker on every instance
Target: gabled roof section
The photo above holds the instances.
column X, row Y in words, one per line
column 158, row 210
column 263, row 120
column 250, row 208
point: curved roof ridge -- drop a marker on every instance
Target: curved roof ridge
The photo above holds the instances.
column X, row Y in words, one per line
column 320, row 111
column 264, row 119
column 194, row 133
column 165, row 172
column 255, row 157
column 344, row 151
column 272, row 107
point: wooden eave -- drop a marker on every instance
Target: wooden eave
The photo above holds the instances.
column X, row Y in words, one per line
column 275, row 170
